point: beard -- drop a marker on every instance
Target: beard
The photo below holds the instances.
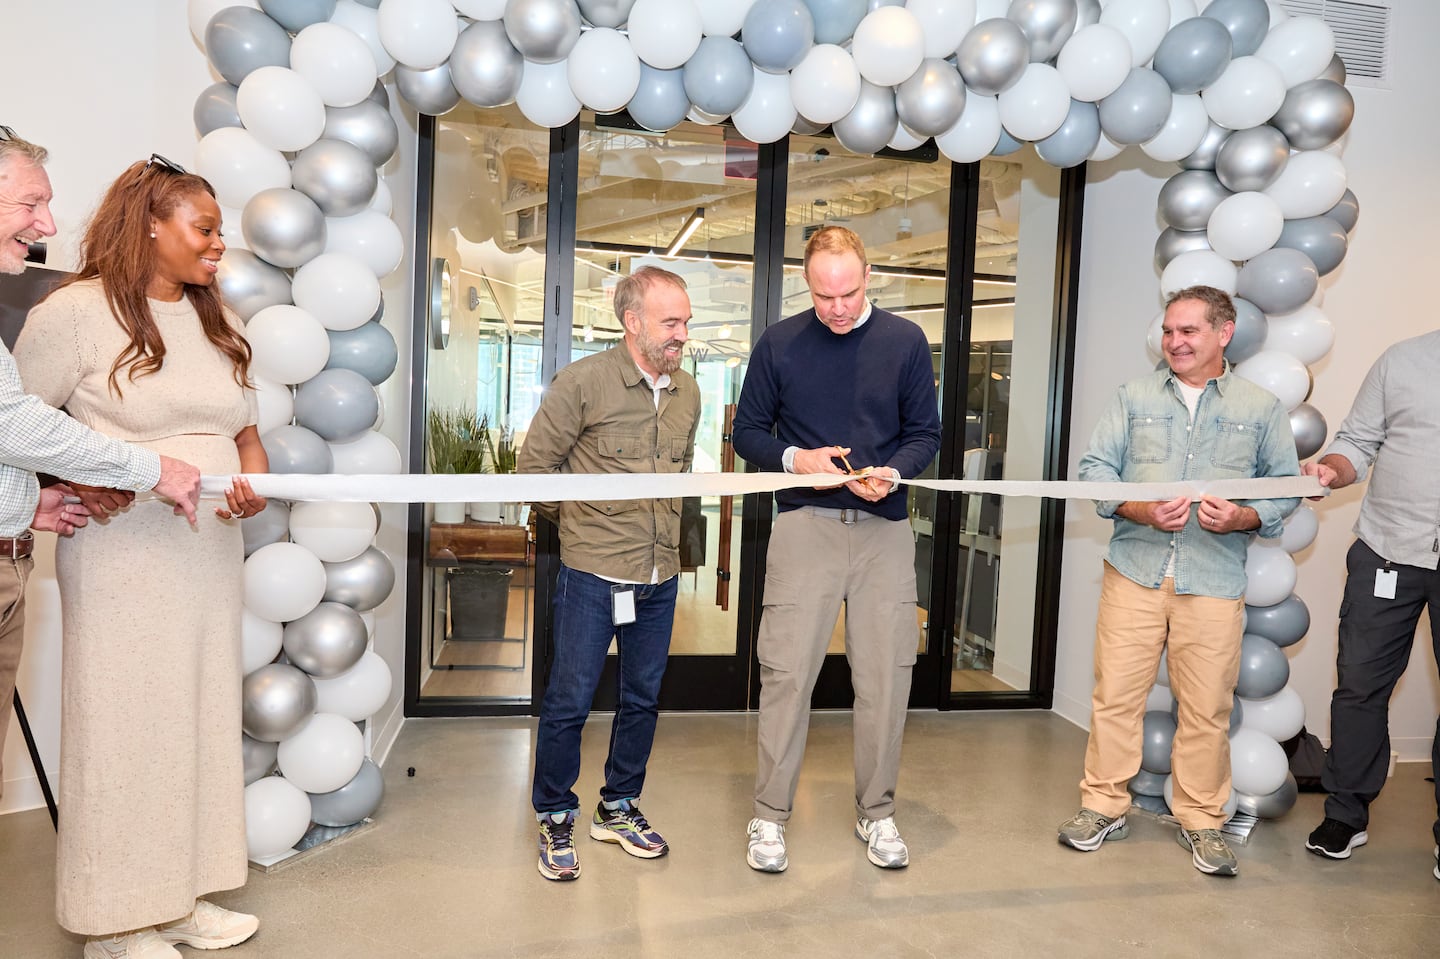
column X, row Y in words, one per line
column 654, row 351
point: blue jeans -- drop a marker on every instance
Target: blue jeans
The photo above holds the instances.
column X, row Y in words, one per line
column 583, row 630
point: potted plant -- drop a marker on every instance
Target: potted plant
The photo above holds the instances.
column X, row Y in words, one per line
column 455, row 446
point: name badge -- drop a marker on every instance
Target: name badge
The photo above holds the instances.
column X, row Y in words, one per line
column 1385, row 580
column 622, row 604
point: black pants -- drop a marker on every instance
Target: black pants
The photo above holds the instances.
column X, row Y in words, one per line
column 1376, row 636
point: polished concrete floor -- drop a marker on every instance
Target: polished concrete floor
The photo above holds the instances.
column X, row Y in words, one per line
column 449, row 870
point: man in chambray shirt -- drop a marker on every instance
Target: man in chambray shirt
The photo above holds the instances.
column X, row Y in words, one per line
column 1175, row 574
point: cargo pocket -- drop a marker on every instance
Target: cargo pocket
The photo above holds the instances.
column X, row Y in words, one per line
column 778, row 646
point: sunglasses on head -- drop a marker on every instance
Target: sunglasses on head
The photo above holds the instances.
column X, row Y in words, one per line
column 8, row 133
column 159, row 162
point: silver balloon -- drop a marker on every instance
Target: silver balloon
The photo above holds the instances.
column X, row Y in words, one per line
column 1346, row 212
column 352, row 802
column 870, row 124
column 1204, row 156
column 1309, row 428
column 606, row 13
column 1193, row 54
column 1252, row 159
column 327, row 640
column 270, row 525
column 805, row 128
column 1285, row 623
column 544, row 31
column 1172, row 242
column 1157, row 736
column 1271, row 805
column 337, row 175
column 1246, row 20
column 367, row 125
column 992, row 56
column 240, row 40
column 718, row 76
column 1047, row 24
column 1087, row 12
column 1072, row 144
column 258, row 757
column 1188, row 198
column 368, row 349
column 930, row 100
column 296, row 15
column 429, row 91
column 1334, row 70
column 1318, row 237
column 378, row 94
column 1278, row 281
column 1264, row 669
column 215, row 108
column 1146, row 783
column 777, row 34
column 1315, row 114
column 294, row 449
column 249, row 284
column 836, row 20
column 485, row 67
column 1137, row 110
column 283, row 227
column 276, row 701
column 1251, row 328
column 361, row 583
column 659, row 102
column 337, row 405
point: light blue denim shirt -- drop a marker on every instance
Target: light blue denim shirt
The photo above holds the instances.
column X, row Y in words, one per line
column 1145, row 436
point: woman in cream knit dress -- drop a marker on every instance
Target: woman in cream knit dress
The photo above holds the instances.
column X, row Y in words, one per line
column 151, row 784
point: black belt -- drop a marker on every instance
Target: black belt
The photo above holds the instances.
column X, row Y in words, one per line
column 17, row 547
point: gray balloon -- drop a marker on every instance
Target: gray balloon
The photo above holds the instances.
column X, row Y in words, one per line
column 352, row 802
column 368, row 349
column 337, row 175
column 1157, row 736
column 283, row 227
column 873, row 5
column 215, row 108
column 1237, row 713
column 836, row 20
column 1247, row 22
column 1146, row 783
column 367, row 125
column 1284, row 624
column 777, row 34
column 1137, row 110
column 1318, row 237
column 929, row 101
column 659, row 102
column 378, row 94
column 1047, row 24
column 249, row 284
column 296, row 15
column 805, row 128
column 1278, row 281
column 258, row 757
column 1006, row 145
column 1309, row 428
column 1334, row 70
column 1252, row 159
column 327, row 640
column 1264, row 669
column 1188, row 198
column 1172, row 242
column 1271, row 805
column 337, row 405
column 718, row 77
column 429, row 91
column 1315, row 114
column 295, row 449
column 992, row 56
column 240, row 40
column 1193, row 54
column 1251, row 328
column 1087, row 12
column 276, row 701
column 606, row 13
column 484, row 66
column 270, row 525
column 870, row 124
column 1205, row 154
column 361, row 583
column 1346, row 212
column 1072, row 144
column 543, row 30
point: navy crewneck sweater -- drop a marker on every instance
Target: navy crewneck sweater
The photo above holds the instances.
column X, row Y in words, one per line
column 872, row 389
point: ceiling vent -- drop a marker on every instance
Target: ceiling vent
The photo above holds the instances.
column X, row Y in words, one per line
column 1362, row 34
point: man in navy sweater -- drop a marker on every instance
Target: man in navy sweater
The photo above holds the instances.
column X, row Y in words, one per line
column 845, row 373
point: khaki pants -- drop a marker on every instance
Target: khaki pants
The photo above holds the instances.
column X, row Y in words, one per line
column 1202, row 634
column 13, row 574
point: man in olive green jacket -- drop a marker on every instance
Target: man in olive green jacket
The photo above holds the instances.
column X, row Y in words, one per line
column 630, row 409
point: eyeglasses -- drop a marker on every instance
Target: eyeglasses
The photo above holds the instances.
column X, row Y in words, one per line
column 161, row 163
column 8, row 133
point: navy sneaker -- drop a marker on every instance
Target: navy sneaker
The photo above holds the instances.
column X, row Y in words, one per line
column 628, row 827
column 557, row 846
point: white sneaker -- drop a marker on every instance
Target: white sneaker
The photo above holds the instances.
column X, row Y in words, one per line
column 766, row 852
column 210, row 927
column 884, row 847
column 140, row 944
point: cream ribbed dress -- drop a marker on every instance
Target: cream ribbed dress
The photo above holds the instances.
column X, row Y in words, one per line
column 151, row 784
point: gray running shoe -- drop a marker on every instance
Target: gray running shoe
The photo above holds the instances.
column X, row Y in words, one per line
column 883, row 845
column 1208, row 851
column 766, row 852
column 1087, row 829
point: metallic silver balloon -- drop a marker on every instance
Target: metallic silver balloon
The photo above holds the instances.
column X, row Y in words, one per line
column 369, row 350
column 1315, row 114
column 805, row 128
column 1251, row 328
column 378, row 94
column 1246, row 20
column 1278, row 281
column 930, row 100
column 1204, row 156
column 1264, row 669
column 606, row 13
column 993, row 56
column 294, row 449
column 367, row 125
column 870, row 124
column 1272, row 805
column 361, row 583
column 1047, row 24
column 1072, row 144
column 659, row 102
column 543, row 30
column 1087, row 12
column 1318, row 237
column 337, row 405
column 1346, row 212
column 1172, row 242
column 296, row 15
column 1188, row 198
column 1193, row 54
column 249, row 284
column 352, row 802
column 1137, row 110
column 258, row 757
column 1335, row 70
column 1252, row 159
column 240, row 40
column 283, row 227
column 337, row 175
column 276, row 701
column 1310, row 429
column 429, row 91
column 327, row 640
column 215, row 108
column 485, row 67
column 270, row 525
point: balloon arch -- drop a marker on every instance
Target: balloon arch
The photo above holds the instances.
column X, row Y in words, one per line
column 1249, row 101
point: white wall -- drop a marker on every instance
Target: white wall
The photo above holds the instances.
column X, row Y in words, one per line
column 1379, row 295
column 105, row 84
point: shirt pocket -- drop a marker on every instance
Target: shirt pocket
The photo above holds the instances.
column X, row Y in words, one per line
column 1237, row 443
column 1149, row 440
column 623, row 448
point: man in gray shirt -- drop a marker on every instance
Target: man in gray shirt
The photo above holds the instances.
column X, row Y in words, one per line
column 1393, row 432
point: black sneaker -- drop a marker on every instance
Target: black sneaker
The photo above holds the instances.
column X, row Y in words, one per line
column 1334, row 839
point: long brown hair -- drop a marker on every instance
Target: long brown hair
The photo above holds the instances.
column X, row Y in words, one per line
column 117, row 248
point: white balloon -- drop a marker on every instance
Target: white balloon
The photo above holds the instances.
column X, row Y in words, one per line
column 481, row 9
column 1311, row 183
column 364, row 22
column 372, row 453
column 1183, row 132
column 603, row 70
column 281, row 108
column 1269, row 574
column 975, row 134
column 359, row 692
column 288, row 344
column 1278, row 13
column 1095, row 61
column 1107, row 149
column 381, row 202
column 665, row 33
column 260, row 641
column 723, row 18
column 943, row 23
column 1283, row 375
column 905, row 139
column 337, row 289
column 545, row 97
column 1244, row 225
column 276, row 402
column 323, row 756
column 200, row 12
column 1305, row 334
column 277, row 813
column 283, row 582
column 1037, row 104
column 1182, row 10
column 888, row 46
column 826, row 84
column 1280, row 716
column 369, row 236
column 1247, row 94
column 419, row 33
column 1199, row 268
column 1143, row 22
column 335, row 61
column 335, row 532
column 768, row 113
column 1154, row 337
column 1300, row 48
column 239, row 166
column 230, row 218
column 1257, row 762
